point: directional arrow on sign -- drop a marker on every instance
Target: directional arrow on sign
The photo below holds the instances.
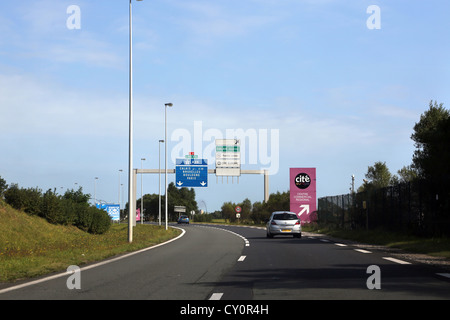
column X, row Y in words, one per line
column 203, row 183
column 304, row 210
column 179, row 183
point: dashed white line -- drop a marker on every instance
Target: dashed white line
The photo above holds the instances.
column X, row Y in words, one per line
column 324, row 240
column 242, row 258
column 446, row 275
column 216, row 296
column 340, row 244
column 363, row 251
column 396, row 260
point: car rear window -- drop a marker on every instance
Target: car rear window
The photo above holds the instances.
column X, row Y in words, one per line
column 285, row 216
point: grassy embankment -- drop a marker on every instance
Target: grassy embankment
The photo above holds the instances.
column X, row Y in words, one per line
column 433, row 246
column 30, row 246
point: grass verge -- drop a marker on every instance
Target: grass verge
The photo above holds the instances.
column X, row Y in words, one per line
column 436, row 246
column 30, row 246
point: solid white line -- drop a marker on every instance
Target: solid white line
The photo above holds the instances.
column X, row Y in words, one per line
column 363, row 251
column 340, row 244
column 216, row 296
column 91, row 266
column 242, row 258
column 396, row 260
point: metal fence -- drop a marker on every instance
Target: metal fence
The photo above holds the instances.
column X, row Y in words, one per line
column 417, row 207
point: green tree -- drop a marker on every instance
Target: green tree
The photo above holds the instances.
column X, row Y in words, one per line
column 378, row 176
column 432, row 140
column 3, row 187
column 407, row 174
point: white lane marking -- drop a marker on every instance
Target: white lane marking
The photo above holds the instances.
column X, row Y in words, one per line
column 216, row 296
column 447, row 275
column 93, row 265
column 324, row 240
column 363, row 251
column 242, row 258
column 396, row 260
column 247, row 243
column 340, row 244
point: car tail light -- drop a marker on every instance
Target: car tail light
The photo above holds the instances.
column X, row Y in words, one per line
column 273, row 223
column 298, row 222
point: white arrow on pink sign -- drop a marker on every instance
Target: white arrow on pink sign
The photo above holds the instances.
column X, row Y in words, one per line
column 302, row 187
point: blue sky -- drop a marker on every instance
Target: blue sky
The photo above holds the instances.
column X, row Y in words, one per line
column 305, row 79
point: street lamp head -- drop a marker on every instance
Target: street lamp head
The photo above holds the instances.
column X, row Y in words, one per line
column 161, row 141
column 168, row 104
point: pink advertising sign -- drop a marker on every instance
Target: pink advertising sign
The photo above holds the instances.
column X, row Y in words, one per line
column 302, row 188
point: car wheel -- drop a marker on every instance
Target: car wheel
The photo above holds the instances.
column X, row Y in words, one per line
column 268, row 235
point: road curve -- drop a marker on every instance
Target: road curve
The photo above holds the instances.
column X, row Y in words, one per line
column 240, row 263
column 184, row 269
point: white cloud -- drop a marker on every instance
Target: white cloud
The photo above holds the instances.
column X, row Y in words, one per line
column 39, row 106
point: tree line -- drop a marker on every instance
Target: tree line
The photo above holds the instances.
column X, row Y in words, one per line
column 417, row 198
column 430, row 161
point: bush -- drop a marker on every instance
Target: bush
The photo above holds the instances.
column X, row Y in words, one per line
column 14, row 197
column 100, row 221
column 203, row 218
column 83, row 216
column 51, row 208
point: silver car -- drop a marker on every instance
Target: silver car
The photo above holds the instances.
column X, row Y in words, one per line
column 284, row 223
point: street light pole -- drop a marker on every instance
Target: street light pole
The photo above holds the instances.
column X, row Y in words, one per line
column 142, row 195
column 95, row 191
column 159, row 173
column 131, row 206
column 165, row 139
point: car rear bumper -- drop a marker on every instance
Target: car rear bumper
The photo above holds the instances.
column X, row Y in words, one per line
column 287, row 230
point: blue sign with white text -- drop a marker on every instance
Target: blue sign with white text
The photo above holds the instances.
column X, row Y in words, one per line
column 191, row 173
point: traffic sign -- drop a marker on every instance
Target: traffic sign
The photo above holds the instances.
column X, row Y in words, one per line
column 228, row 157
column 191, row 173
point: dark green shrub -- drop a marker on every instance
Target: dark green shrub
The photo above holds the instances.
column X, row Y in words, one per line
column 100, row 221
column 51, row 208
column 83, row 216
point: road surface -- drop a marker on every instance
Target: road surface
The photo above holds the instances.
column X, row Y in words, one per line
column 240, row 263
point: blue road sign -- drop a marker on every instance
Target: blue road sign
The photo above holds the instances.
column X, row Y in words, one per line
column 191, row 173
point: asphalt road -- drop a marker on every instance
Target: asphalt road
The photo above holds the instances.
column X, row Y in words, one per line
column 240, row 263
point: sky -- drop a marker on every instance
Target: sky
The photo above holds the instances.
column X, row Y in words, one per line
column 332, row 84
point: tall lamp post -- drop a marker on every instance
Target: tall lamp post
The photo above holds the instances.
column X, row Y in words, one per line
column 142, row 194
column 165, row 139
column 95, row 191
column 131, row 206
column 159, row 173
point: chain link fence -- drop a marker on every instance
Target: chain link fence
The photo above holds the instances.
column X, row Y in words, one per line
column 418, row 207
